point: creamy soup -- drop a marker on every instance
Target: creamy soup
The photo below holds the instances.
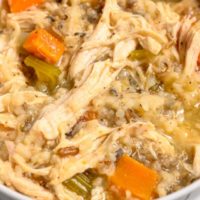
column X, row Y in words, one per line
column 99, row 99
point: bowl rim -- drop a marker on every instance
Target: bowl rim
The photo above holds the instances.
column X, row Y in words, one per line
column 180, row 193
column 9, row 193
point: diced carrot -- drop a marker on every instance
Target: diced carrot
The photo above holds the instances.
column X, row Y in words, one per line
column 135, row 177
column 21, row 5
column 44, row 45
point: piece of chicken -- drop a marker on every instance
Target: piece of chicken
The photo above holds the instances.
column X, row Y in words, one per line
column 26, row 20
column 196, row 162
column 60, row 116
column 91, row 135
column 14, row 102
column 22, row 184
column 189, row 37
column 84, row 59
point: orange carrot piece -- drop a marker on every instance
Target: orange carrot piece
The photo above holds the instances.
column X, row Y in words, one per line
column 21, row 5
column 44, row 45
column 135, row 177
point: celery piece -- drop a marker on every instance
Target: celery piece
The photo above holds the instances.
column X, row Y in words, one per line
column 81, row 184
column 140, row 55
column 46, row 73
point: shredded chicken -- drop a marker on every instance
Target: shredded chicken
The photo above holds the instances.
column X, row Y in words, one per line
column 62, row 115
column 22, row 184
column 189, row 36
column 197, row 160
column 64, row 169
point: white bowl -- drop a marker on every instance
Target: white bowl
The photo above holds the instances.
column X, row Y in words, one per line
column 180, row 194
column 8, row 194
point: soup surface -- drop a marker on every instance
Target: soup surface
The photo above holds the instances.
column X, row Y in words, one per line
column 99, row 99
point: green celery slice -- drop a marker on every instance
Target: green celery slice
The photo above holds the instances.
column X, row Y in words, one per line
column 81, row 184
column 46, row 73
column 140, row 54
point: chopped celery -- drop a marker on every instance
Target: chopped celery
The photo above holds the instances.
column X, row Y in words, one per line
column 141, row 54
column 81, row 184
column 46, row 73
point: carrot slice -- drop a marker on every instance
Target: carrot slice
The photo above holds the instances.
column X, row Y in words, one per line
column 44, row 45
column 135, row 177
column 21, row 5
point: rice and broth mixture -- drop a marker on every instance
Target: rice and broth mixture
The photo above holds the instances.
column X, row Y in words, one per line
column 124, row 90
